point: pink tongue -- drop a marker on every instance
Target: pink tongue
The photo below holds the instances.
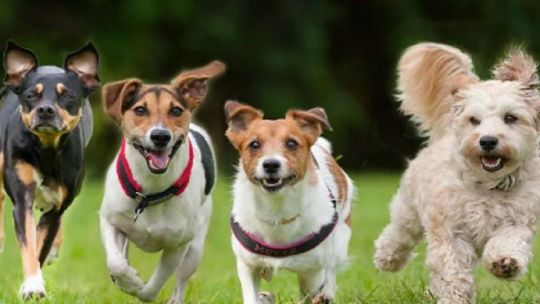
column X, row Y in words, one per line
column 158, row 160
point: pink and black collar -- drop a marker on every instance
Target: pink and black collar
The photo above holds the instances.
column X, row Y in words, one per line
column 134, row 189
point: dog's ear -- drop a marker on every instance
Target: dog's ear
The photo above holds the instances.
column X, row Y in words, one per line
column 116, row 96
column 192, row 85
column 520, row 66
column 18, row 61
column 430, row 77
column 85, row 63
column 239, row 116
column 312, row 122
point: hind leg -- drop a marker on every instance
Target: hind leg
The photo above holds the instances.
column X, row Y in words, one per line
column 57, row 243
column 191, row 260
column 393, row 248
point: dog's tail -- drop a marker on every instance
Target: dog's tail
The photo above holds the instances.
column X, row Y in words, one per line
column 428, row 76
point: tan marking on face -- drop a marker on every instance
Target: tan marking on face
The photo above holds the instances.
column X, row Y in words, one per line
column 60, row 88
column 27, row 118
column 29, row 253
column 25, row 172
column 38, row 88
column 339, row 178
column 273, row 135
column 69, row 122
column 158, row 112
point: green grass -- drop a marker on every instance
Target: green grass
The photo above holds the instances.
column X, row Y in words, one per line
column 80, row 274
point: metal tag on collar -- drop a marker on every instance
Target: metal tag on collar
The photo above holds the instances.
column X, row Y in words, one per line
column 141, row 201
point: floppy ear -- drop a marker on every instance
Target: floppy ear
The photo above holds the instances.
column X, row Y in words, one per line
column 312, row 122
column 116, row 96
column 85, row 63
column 192, row 85
column 239, row 116
column 18, row 61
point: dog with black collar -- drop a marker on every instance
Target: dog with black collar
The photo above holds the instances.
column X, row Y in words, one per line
column 45, row 126
column 158, row 188
column 292, row 202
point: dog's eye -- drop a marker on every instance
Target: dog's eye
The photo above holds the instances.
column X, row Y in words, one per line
column 291, row 144
column 176, row 111
column 255, row 145
column 140, row 111
column 475, row 121
column 30, row 95
column 509, row 118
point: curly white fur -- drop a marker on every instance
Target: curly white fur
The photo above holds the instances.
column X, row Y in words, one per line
column 464, row 211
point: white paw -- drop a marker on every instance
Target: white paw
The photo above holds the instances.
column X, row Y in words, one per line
column 127, row 278
column 266, row 297
column 33, row 287
column 146, row 295
column 53, row 255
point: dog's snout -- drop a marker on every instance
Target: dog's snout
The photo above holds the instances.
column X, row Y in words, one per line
column 488, row 142
column 160, row 137
column 45, row 111
column 271, row 166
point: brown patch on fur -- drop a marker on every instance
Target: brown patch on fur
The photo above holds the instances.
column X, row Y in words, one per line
column 38, row 88
column 348, row 220
column 25, row 172
column 59, row 238
column 158, row 108
column 339, row 178
column 60, row 88
column 28, row 250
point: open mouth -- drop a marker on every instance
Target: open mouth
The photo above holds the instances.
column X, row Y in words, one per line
column 157, row 160
column 492, row 163
column 273, row 184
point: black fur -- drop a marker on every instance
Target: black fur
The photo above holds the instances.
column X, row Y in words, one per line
column 61, row 164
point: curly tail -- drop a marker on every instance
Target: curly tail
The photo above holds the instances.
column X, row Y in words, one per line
column 428, row 76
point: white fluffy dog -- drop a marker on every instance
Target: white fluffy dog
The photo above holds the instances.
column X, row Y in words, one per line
column 474, row 190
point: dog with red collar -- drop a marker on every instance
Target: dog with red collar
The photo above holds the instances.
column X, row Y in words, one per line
column 292, row 202
column 158, row 189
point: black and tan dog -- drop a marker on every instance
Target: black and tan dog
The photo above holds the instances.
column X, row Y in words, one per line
column 45, row 125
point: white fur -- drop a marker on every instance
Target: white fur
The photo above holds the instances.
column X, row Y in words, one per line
column 259, row 212
column 176, row 227
column 445, row 194
column 33, row 285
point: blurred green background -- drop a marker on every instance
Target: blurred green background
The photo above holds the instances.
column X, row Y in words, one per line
column 280, row 54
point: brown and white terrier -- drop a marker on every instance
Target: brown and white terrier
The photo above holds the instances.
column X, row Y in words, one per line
column 158, row 189
column 292, row 202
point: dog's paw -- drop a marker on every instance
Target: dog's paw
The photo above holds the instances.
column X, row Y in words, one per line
column 505, row 268
column 322, row 299
column 33, row 288
column 392, row 262
column 53, row 255
column 266, row 297
column 127, row 278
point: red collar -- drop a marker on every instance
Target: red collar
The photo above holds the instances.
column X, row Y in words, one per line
column 134, row 190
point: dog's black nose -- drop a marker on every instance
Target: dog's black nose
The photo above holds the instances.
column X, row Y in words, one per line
column 45, row 111
column 160, row 137
column 488, row 142
column 271, row 166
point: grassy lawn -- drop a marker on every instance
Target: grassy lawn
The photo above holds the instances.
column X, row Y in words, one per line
column 80, row 274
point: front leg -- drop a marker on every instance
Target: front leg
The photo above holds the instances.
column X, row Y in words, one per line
column 250, row 277
column 450, row 259
column 47, row 231
column 318, row 286
column 508, row 252
column 20, row 185
column 168, row 263
column 121, row 272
